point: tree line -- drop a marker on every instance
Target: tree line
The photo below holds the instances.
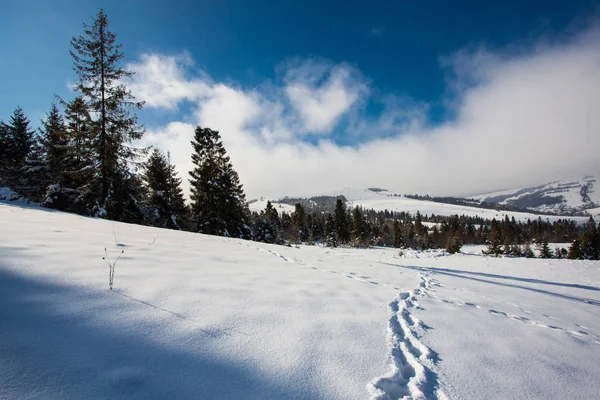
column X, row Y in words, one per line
column 85, row 158
column 359, row 227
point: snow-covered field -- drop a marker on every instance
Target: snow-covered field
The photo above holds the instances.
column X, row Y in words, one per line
column 202, row 317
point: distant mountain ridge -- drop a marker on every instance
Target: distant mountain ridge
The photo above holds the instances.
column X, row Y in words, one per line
column 560, row 197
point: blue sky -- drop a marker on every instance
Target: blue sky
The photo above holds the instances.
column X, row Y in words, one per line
column 394, row 65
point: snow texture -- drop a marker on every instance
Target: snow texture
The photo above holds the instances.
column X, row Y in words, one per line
column 195, row 316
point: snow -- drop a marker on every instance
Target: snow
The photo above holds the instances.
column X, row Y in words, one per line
column 7, row 194
column 569, row 190
column 195, row 316
column 260, row 205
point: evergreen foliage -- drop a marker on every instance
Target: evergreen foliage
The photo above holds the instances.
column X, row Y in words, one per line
column 301, row 233
column 218, row 200
column 453, row 246
column 164, row 195
column 330, row 232
column 17, row 140
column 115, row 189
column 495, row 240
column 544, row 248
column 55, row 141
column 342, row 229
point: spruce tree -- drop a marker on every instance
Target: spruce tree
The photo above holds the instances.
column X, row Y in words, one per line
column 55, row 141
column 341, row 222
column 218, row 200
column 18, row 139
column 590, row 241
column 359, row 228
column 299, row 221
column 398, row 240
column 330, row 232
column 271, row 214
column 164, row 193
column 544, row 248
column 418, row 224
column 575, row 252
column 96, row 58
column 72, row 152
column 527, row 252
column 495, row 239
column 4, row 149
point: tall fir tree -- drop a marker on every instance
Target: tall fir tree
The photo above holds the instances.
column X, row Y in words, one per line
column 590, row 241
column 96, row 58
column 75, row 181
column 218, row 200
column 398, row 239
column 55, row 142
column 301, row 232
column 342, row 227
column 330, row 232
column 359, row 228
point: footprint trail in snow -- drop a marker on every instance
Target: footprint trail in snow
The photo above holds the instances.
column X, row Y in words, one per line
column 412, row 363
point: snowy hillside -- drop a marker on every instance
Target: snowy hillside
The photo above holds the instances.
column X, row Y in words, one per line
column 560, row 196
column 194, row 316
column 381, row 201
column 260, row 205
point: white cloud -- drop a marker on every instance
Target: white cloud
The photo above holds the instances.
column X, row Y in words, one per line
column 520, row 119
column 322, row 93
column 161, row 80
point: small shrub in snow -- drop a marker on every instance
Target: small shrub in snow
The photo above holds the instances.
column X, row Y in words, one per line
column 111, row 266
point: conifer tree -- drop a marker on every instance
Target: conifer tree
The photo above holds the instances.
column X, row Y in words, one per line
column 330, row 232
column 96, row 58
column 18, row 139
column 55, row 141
column 495, row 239
column 359, row 228
column 453, row 245
column 299, row 221
column 527, row 252
column 544, row 248
column 4, row 143
column 575, row 252
column 418, row 224
column 271, row 214
column 590, row 241
column 398, row 240
column 218, row 200
column 164, row 193
column 72, row 152
column 341, row 222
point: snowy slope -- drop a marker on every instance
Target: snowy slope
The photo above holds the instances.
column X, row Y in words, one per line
column 557, row 196
column 260, row 205
column 195, row 316
column 393, row 202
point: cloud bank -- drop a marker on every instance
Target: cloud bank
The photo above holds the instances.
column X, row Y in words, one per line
column 519, row 119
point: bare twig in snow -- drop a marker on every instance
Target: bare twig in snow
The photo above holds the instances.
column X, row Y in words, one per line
column 111, row 266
